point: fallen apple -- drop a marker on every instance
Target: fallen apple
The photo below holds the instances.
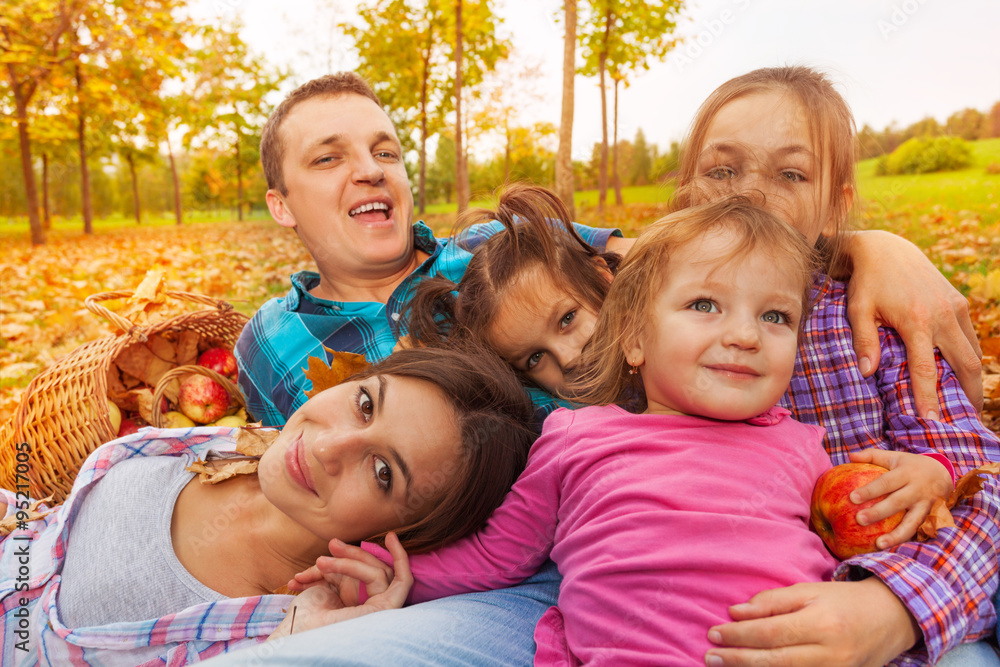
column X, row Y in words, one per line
column 202, row 399
column 834, row 516
column 130, row 425
column 176, row 419
column 231, row 420
column 220, row 360
column 115, row 415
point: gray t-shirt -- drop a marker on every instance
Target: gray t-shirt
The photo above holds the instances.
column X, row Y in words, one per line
column 120, row 563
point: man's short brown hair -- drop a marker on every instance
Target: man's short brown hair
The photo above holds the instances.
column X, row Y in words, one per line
column 272, row 149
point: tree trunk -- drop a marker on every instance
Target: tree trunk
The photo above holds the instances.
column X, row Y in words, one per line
column 30, row 187
column 177, row 184
column 422, row 180
column 602, row 176
column 81, row 134
column 239, row 180
column 564, row 156
column 137, row 211
column 614, row 162
column 46, row 215
column 461, row 180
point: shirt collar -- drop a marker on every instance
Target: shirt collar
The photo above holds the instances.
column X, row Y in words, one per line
column 303, row 281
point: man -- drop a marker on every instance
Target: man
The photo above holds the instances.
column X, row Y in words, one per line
column 335, row 174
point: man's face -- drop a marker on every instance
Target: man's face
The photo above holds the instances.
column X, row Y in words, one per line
column 348, row 196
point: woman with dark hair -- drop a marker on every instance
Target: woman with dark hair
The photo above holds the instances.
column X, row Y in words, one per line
column 141, row 562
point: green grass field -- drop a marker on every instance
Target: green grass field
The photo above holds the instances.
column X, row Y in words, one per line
column 906, row 203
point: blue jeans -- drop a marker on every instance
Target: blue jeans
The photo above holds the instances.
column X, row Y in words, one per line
column 488, row 628
column 979, row 654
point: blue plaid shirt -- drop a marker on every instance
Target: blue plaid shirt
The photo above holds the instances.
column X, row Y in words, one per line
column 275, row 346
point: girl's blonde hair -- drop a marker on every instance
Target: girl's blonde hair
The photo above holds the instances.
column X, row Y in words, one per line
column 628, row 308
column 831, row 125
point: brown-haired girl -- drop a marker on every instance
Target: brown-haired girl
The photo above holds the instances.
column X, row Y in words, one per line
column 531, row 292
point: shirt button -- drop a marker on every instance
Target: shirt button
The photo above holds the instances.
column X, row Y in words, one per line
column 395, row 317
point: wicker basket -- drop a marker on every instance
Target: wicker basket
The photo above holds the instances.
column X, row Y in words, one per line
column 63, row 414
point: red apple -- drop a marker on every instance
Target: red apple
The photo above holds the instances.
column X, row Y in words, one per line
column 834, row 516
column 130, row 425
column 202, row 399
column 220, row 360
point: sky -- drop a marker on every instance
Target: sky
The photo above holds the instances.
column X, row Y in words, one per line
column 894, row 60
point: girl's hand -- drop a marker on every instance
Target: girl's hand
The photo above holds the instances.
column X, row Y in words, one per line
column 345, row 568
column 829, row 623
column 912, row 484
column 329, row 589
column 895, row 285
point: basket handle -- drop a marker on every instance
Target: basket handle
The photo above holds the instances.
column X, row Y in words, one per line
column 92, row 303
column 181, row 371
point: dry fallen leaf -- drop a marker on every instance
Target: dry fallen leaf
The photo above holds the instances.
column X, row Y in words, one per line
column 967, row 486
column 187, row 348
column 140, row 362
column 146, row 300
column 253, row 440
column 939, row 517
column 213, row 472
column 342, row 366
column 9, row 523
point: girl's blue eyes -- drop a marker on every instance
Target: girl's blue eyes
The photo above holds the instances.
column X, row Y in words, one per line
column 721, row 173
column 567, row 318
column 534, row 359
column 771, row 316
column 728, row 174
column 704, row 306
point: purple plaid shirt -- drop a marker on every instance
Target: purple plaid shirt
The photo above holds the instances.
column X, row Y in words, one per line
column 946, row 583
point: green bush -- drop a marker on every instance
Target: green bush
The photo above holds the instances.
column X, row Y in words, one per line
column 925, row 155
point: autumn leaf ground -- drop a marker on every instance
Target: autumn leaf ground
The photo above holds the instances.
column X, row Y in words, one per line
column 43, row 288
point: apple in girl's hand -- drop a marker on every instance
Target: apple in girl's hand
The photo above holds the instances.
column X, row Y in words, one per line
column 220, row 360
column 203, row 399
column 834, row 516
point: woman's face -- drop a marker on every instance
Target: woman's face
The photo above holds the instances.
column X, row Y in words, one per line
column 762, row 143
column 542, row 329
column 364, row 457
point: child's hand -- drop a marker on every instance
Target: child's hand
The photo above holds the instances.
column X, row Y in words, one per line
column 912, row 484
column 330, row 588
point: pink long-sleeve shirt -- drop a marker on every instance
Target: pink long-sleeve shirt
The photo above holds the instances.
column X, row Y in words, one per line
column 658, row 523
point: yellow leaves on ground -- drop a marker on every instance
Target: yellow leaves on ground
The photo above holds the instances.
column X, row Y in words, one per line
column 42, row 316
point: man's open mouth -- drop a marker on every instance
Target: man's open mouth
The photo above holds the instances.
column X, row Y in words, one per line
column 372, row 210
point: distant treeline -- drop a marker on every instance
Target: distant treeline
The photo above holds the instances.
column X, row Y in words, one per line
column 968, row 124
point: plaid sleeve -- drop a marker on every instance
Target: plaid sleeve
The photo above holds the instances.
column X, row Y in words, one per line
column 946, row 583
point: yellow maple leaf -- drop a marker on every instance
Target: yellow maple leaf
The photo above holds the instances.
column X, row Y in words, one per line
column 342, row 366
